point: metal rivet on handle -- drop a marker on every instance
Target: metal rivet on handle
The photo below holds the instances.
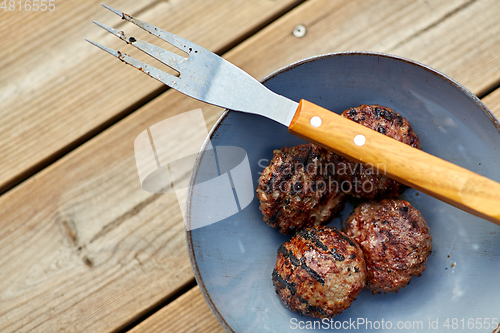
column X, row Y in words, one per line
column 359, row 140
column 316, row 121
column 299, row 31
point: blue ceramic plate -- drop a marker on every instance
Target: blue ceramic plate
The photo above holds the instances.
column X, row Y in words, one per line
column 233, row 259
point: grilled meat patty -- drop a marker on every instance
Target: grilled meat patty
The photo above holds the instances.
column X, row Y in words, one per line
column 319, row 272
column 362, row 181
column 395, row 240
column 295, row 190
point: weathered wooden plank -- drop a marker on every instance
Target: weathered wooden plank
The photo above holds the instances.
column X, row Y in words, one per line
column 187, row 314
column 86, row 233
column 465, row 46
column 492, row 101
column 132, row 243
column 56, row 88
column 85, row 248
column 461, row 39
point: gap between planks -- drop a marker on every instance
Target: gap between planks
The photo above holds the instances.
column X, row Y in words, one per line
column 189, row 313
column 157, row 308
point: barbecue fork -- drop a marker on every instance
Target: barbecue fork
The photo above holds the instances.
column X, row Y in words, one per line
column 209, row 78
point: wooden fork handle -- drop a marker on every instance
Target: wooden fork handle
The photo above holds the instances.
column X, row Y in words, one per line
column 445, row 181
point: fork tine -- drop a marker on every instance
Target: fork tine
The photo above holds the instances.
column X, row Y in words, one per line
column 179, row 42
column 170, row 59
column 155, row 73
column 117, row 12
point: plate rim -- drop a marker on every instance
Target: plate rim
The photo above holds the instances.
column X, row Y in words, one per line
column 189, row 239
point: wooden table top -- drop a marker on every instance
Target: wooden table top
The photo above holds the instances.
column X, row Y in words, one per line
column 82, row 247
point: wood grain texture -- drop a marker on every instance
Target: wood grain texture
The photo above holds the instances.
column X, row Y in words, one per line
column 187, row 314
column 96, row 248
column 56, row 88
column 431, row 175
column 84, row 248
column 459, row 38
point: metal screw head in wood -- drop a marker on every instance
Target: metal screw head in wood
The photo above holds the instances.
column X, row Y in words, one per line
column 299, row 31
